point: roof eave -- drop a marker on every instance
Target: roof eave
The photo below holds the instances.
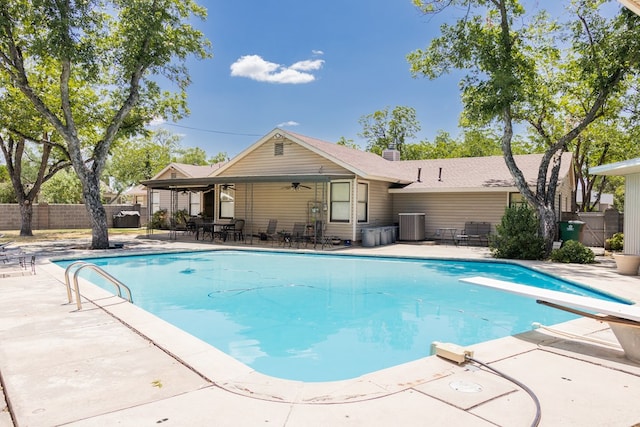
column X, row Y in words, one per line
column 454, row 190
column 626, row 167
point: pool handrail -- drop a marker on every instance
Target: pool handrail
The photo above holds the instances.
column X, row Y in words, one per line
column 83, row 264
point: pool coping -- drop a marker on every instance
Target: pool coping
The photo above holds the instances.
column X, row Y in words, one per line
column 234, row 376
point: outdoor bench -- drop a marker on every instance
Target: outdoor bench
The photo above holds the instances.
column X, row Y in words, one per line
column 475, row 233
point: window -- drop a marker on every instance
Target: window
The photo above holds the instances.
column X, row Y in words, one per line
column 227, row 200
column 155, row 201
column 278, row 149
column 340, row 201
column 516, row 199
column 363, row 202
column 194, row 203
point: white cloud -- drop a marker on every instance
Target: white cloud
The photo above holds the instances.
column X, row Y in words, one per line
column 157, row 121
column 256, row 68
column 308, row 65
column 289, row 123
column 317, row 52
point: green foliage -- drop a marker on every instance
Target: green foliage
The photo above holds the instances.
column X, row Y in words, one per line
column 385, row 130
column 160, row 219
column 517, row 235
column 573, row 252
column 615, row 242
column 555, row 77
column 93, row 72
column 63, row 187
column 347, row 143
column 192, row 156
column 181, row 216
column 7, row 195
column 219, row 158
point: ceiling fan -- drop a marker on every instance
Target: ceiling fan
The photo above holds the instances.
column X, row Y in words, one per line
column 226, row 186
column 296, row 186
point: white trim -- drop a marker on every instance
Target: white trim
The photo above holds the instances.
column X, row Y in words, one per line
column 626, row 167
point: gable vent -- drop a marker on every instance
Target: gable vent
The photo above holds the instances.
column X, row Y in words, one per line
column 278, row 149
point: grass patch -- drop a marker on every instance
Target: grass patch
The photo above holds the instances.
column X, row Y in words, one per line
column 52, row 235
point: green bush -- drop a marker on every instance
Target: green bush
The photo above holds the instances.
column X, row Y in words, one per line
column 573, row 252
column 159, row 219
column 616, row 242
column 517, row 235
column 181, row 216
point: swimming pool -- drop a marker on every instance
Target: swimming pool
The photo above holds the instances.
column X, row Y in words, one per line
column 319, row 317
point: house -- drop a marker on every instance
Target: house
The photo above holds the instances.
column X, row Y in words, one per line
column 296, row 178
column 630, row 169
column 192, row 202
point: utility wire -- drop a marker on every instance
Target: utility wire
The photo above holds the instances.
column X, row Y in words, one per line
column 212, row 131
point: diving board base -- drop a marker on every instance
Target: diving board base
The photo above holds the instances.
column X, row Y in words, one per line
column 629, row 339
column 623, row 319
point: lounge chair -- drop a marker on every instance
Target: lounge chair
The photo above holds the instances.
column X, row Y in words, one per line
column 271, row 233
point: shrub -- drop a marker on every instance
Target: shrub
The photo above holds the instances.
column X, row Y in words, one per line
column 181, row 216
column 159, row 219
column 573, row 252
column 517, row 235
column 616, row 242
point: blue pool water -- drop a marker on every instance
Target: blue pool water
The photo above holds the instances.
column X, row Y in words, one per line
column 329, row 317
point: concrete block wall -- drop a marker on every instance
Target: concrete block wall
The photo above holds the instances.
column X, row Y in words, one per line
column 61, row 216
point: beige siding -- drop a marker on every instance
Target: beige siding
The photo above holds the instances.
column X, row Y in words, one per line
column 167, row 174
column 165, row 200
column 452, row 210
column 259, row 202
column 295, row 160
column 631, row 215
column 564, row 196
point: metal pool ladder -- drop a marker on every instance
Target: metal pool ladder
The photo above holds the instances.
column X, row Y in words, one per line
column 81, row 265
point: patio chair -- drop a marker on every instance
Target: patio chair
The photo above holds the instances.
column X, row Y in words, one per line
column 299, row 234
column 236, row 229
column 271, row 233
column 320, row 236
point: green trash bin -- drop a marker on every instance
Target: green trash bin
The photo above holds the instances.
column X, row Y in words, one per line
column 570, row 230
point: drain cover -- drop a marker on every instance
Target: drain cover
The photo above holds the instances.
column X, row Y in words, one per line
column 465, row 387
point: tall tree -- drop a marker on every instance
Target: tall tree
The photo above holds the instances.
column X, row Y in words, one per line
column 27, row 186
column 31, row 155
column 87, row 67
column 521, row 70
column 192, row 156
column 138, row 158
column 384, row 129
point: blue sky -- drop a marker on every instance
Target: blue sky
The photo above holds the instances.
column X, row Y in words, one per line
column 311, row 67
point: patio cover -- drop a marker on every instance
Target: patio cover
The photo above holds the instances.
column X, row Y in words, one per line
column 202, row 184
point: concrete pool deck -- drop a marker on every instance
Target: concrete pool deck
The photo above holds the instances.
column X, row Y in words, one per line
column 114, row 364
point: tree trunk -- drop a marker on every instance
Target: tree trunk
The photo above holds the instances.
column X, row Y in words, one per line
column 26, row 215
column 97, row 215
column 547, row 224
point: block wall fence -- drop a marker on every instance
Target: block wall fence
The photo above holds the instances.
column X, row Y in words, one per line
column 61, row 216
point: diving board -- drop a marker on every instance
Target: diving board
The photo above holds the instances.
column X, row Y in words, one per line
column 624, row 319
